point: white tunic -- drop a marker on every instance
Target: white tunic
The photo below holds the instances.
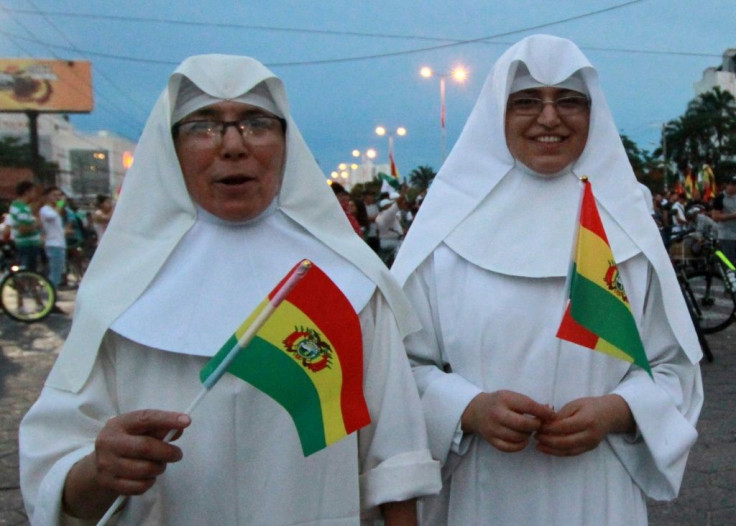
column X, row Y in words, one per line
column 485, row 331
column 242, row 460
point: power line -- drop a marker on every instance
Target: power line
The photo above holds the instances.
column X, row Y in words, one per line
column 223, row 25
column 110, row 101
column 447, row 42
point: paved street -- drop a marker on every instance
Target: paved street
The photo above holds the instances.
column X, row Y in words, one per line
column 707, row 498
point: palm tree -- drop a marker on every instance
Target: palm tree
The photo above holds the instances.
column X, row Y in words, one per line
column 634, row 154
column 705, row 133
column 421, row 177
column 16, row 153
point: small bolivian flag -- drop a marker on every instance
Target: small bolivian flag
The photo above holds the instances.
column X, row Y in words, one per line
column 307, row 356
column 598, row 315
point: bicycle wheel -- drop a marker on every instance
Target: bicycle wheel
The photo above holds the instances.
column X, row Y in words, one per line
column 695, row 317
column 714, row 300
column 27, row 296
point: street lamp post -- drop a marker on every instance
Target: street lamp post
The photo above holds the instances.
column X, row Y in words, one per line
column 400, row 131
column 349, row 174
column 459, row 74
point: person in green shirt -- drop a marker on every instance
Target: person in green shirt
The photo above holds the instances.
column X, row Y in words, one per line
column 25, row 225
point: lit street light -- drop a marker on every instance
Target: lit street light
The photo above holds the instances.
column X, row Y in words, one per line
column 353, row 173
column 370, row 153
column 400, row 131
column 459, row 74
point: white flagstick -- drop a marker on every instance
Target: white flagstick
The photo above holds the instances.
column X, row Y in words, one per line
column 583, row 179
column 215, row 375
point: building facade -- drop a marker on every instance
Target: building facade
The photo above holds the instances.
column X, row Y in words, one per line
column 89, row 164
column 723, row 76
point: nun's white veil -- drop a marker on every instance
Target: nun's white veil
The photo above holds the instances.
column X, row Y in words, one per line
column 155, row 212
column 478, row 203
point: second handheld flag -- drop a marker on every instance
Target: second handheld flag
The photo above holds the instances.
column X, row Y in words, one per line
column 598, row 315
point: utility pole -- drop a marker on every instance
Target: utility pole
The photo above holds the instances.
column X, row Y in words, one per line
column 35, row 155
column 664, row 156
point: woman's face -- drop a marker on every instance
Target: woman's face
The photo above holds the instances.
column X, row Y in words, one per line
column 236, row 177
column 554, row 137
column 352, row 208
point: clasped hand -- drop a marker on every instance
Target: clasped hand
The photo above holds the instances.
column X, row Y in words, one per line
column 508, row 420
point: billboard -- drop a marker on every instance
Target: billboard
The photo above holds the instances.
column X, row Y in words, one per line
column 52, row 86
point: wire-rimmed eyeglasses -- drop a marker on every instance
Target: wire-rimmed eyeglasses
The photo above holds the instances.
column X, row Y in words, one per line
column 568, row 106
column 258, row 129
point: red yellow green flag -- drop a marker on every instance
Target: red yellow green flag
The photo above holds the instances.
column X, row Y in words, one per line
column 598, row 315
column 307, row 356
column 689, row 183
column 708, row 181
column 394, row 170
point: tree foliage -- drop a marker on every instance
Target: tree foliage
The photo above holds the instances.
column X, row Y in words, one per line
column 706, row 133
column 421, row 177
column 16, row 153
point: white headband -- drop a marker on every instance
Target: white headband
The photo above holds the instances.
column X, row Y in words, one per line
column 190, row 99
column 524, row 80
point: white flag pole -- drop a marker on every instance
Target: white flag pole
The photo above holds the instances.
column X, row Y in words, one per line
column 215, row 375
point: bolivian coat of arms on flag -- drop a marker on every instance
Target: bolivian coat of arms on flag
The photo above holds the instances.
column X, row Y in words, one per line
column 598, row 315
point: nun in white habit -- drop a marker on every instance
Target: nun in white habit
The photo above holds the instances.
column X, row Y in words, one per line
column 531, row 429
column 205, row 227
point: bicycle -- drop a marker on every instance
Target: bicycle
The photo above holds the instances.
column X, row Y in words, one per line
column 76, row 265
column 25, row 295
column 692, row 307
column 712, row 279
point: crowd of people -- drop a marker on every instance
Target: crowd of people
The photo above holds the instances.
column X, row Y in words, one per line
column 479, row 413
column 381, row 218
column 47, row 229
column 678, row 213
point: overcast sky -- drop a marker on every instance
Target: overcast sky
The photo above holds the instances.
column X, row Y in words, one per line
column 349, row 66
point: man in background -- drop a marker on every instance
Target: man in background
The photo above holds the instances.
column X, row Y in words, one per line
column 25, row 226
column 54, row 234
column 724, row 213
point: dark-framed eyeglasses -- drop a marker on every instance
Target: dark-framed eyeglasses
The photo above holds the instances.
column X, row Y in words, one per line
column 568, row 106
column 256, row 129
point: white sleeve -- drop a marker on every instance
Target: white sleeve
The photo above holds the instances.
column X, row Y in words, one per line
column 665, row 410
column 396, row 464
column 444, row 395
column 59, row 430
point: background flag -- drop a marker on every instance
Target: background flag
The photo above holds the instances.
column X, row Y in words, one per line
column 394, row 170
column 389, row 183
column 308, row 357
column 708, row 182
column 598, row 315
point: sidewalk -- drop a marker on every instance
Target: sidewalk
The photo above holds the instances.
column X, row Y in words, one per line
column 707, row 497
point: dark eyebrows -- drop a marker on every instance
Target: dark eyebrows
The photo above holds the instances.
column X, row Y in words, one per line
column 537, row 93
column 213, row 113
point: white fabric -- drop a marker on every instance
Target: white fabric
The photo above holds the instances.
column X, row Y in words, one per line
column 648, row 197
column 523, row 80
column 53, row 227
column 462, row 198
column 485, row 265
column 154, row 212
column 548, row 208
column 679, row 221
column 489, row 331
column 173, row 277
column 242, row 462
column 191, row 99
column 389, row 224
column 205, row 301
